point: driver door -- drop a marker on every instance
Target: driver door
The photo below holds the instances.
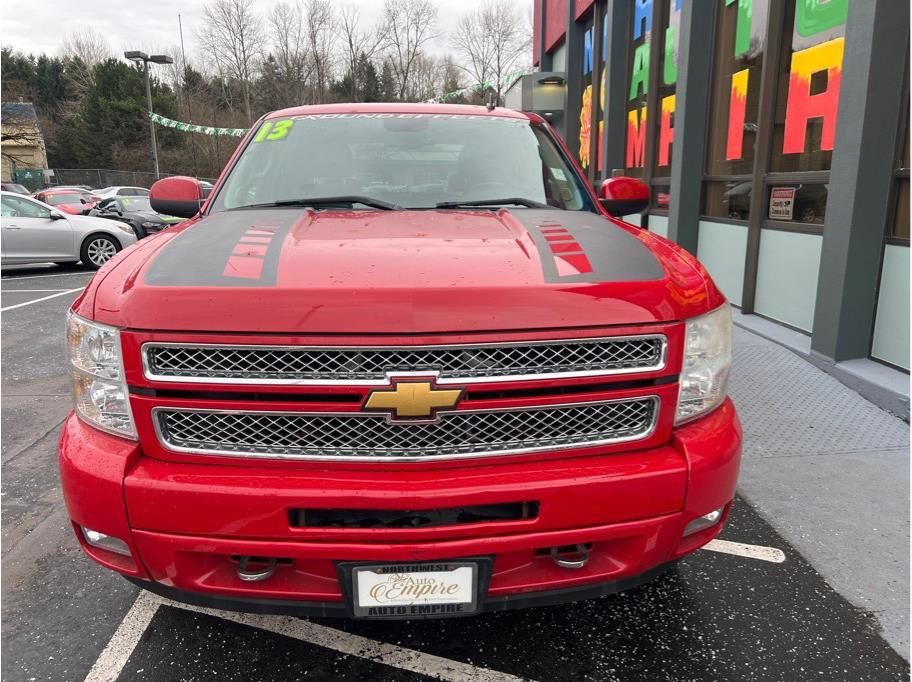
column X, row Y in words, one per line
column 30, row 235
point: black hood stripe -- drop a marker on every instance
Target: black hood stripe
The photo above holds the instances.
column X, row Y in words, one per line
column 243, row 248
column 233, row 249
column 578, row 246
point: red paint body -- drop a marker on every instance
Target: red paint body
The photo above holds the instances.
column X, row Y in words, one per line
column 75, row 207
column 398, row 278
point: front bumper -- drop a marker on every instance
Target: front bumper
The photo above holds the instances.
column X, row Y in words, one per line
column 186, row 523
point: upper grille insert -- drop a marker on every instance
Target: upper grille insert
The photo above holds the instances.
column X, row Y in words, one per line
column 372, row 437
column 307, row 364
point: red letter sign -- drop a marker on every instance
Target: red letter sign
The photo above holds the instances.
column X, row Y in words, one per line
column 737, row 107
column 802, row 105
column 636, row 137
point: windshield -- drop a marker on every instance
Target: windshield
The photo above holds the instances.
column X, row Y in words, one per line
column 58, row 199
column 136, row 203
column 410, row 160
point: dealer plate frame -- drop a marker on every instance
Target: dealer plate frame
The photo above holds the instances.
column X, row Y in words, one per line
column 483, row 568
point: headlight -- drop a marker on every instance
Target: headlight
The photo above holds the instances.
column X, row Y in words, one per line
column 99, row 385
column 124, row 228
column 707, row 361
column 151, row 225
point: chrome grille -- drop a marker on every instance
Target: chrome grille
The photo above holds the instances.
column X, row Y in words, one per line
column 362, row 436
column 484, row 362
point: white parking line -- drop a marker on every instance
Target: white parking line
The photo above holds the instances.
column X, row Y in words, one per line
column 111, row 662
column 115, row 655
column 53, row 274
column 29, row 291
column 355, row 645
column 39, row 300
column 771, row 554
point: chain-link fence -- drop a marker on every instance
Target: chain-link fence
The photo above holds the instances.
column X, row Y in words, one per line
column 98, row 178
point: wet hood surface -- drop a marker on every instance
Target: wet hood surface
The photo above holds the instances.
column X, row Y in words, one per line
column 295, row 270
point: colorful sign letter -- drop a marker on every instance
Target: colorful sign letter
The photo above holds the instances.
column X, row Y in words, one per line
column 585, row 129
column 636, row 137
column 802, row 105
column 737, row 108
column 666, row 130
column 640, row 76
column 642, row 18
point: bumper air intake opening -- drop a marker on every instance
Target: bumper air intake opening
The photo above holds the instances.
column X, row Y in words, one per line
column 425, row 518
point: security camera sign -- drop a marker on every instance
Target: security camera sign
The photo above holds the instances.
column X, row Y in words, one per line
column 782, row 203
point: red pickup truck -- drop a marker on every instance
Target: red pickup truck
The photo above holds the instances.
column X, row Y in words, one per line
column 401, row 362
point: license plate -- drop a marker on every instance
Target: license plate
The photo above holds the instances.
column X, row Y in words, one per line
column 415, row 590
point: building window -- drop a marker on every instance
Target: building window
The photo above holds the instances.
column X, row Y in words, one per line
column 798, row 202
column 899, row 227
column 806, row 106
column 735, row 103
column 727, row 198
column 638, row 56
column 740, row 43
column 592, row 122
column 901, row 210
column 810, row 74
column 588, row 115
column 663, row 125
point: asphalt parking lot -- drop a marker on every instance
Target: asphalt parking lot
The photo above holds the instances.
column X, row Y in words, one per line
column 756, row 610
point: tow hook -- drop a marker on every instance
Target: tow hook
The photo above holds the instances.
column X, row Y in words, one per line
column 263, row 571
column 570, row 556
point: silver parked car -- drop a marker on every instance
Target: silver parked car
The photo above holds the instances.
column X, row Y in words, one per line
column 121, row 191
column 33, row 232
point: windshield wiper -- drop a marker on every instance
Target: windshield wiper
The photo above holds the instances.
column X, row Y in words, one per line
column 515, row 201
column 320, row 202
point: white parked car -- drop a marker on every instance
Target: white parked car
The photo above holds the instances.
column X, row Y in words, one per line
column 33, row 232
column 121, row 191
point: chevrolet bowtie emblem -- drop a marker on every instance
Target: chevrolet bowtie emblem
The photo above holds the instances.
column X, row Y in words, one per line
column 412, row 400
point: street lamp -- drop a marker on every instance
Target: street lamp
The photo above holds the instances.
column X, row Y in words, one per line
column 137, row 56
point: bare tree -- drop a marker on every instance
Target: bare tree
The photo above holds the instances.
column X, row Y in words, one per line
column 407, row 26
column 233, row 34
column 357, row 42
column 492, row 40
column 84, row 49
column 475, row 47
column 289, row 60
column 320, row 25
column 426, row 80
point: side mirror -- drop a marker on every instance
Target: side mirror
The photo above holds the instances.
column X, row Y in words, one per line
column 55, row 216
column 622, row 196
column 180, row 196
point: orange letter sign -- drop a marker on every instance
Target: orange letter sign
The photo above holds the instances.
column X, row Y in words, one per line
column 666, row 131
column 636, row 137
column 737, row 108
column 802, row 105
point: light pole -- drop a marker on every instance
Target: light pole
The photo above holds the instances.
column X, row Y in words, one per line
column 137, row 56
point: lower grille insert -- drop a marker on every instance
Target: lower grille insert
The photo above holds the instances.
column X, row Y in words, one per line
column 371, row 437
column 425, row 518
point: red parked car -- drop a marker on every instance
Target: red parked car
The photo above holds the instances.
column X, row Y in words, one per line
column 402, row 362
column 69, row 201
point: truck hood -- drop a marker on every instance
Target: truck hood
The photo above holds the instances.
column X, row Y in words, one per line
column 293, row 271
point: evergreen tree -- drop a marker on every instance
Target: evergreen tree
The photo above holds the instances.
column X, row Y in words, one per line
column 370, row 86
column 387, row 83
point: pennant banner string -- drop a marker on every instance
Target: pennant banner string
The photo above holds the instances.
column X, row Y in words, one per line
column 193, row 128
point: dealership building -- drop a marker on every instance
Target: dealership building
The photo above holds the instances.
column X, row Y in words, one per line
column 774, row 135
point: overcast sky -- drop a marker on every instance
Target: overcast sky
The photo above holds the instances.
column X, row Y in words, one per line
column 42, row 26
